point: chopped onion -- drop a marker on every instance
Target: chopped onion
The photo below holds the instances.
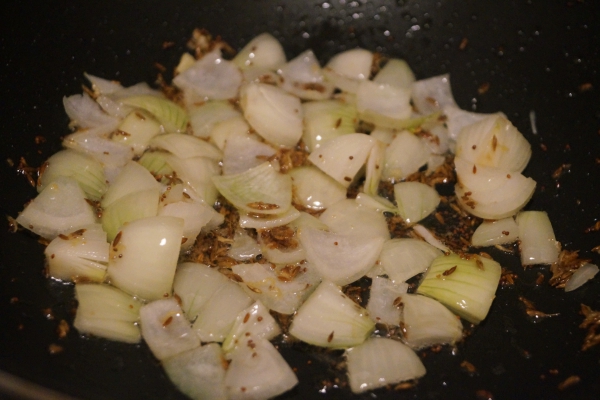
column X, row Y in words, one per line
column 374, row 169
column 490, row 233
column 427, row 322
column 165, row 329
column 383, row 99
column 244, row 247
column 433, row 94
column 396, row 72
column 404, row 156
column 328, row 318
column 377, row 203
column 382, row 305
column 182, row 145
column 379, row 362
column 346, row 69
column 82, row 254
column 275, row 114
column 253, row 322
column 303, row 77
column 197, row 174
column 260, row 190
column 205, row 116
column 221, row 131
column 243, row 151
column 457, row 119
column 327, row 119
column 107, row 312
column 538, row 243
column 170, row 115
column 131, row 207
column 85, row 112
column 258, row 371
column 314, row 189
column 581, row 276
column 102, row 86
column 198, row 373
column 268, row 222
column 465, row 285
column 143, row 261
column 136, row 130
column 430, row 238
column 132, row 178
column 404, row 258
column 59, row 208
column 415, row 200
column 264, row 51
column 195, row 216
column 349, row 217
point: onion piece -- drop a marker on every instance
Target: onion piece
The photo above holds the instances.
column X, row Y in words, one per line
column 197, row 174
column 538, row 244
column 143, row 261
column 379, row 362
column 244, row 247
column 85, row 112
column 136, row 130
column 342, row 157
column 101, row 85
column 346, row 69
column 404, row 156
column 220, row 131
column 377, row 203
column 457, row 119
column 107, row 312
column 404, row 258
column 170, row 115
column 396, row 72
column 430, row 238
column 243, row 151
column 382, row 305
column 433, row 94
column 132, row 178
column 315, row 190
column 59, row 208
column 253, row 322
column 374, row 168
column 195, row 216
column 415, row 200
column 583, row 274
column 258, row 371
column 303, row 78
column 131, row 207
column 198, row 373
column 82, row 254
column 205, row 116
column 268, row 222
column 327, row 119
column 427, row 322
column 182, row 145
column 165, row 329
column 275, row 114
column 261, row 190
column 489, row 233
column 465, row 285
column 264, row 51
column 211, row 77
column 383, row 99
column 328, row 318
column 88, row 172
column 348, row 217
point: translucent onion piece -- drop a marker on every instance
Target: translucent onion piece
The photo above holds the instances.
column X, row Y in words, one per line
column 349, row 217
column 397, row 73
column 379, row 362
column 263, row 51
column 82, row 254
column 261, row 190
column 258, row 371
column 404, row 156
column 268, row 222
column 385, row 122
column 383, row 99
column 205, row 116
column 340, row 257
column 182, row 145
column 195, row 283
column 538, row 244
column 113, row 107
column 253, row 322
column 143, row 260
column 302, row 77
column 221, row 131
column 275, row 114
column 327, row 119
column 132, row 178
column 494, row 142
column 383, row 306
column 314, row 189
column 165, row 329
column 156, row 162
column 491, row 193
column 243, row 151
column 342, row 157
column 433, row 94
column 136, row 130
column 435, row 136
column 415, row 200
column 218, row 314
column 404, row 258
column 102, row 86
column 377, row 203
column 107, row 312
column 489, row 233
column 211, row 77
column 244, row 247
column 197, row 173
column 261, row 75
column 281, row 289
column 374, row 169
column 457, row 119
column 84, row 169
column 283, row 255
column 85, row 112
column 185, row 62
column 95, row 143
column 430, row 238
column 128, row 208
column 581, row 276
column 427, row 322
column 195, row 216
column 170, row 115
column 346, row 69
column 59, row 208
column 328, row 318
column 466, row 286
column 198, row 373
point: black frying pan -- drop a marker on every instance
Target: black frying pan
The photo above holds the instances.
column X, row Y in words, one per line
column 535, row 55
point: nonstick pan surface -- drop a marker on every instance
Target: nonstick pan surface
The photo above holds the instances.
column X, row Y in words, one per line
column 540, row 60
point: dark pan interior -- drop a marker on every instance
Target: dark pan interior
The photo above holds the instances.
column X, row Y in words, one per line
column 539, row 56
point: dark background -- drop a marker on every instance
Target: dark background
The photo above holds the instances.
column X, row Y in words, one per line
column 535, row 55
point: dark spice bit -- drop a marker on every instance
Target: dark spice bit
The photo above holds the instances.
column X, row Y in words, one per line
column 29, row 172
column 560, row 170
column 591, row 323
column 167, row 321
column 55, row 349
column 570, row 381
column 449, row 271
column 404, row 386
column 467, row 366
column 463, row 43
column 593, row 228
column 483, row 394
column 562, row 270
column 483, row 88
column 330, row 337
column 63, row 329
column 261, row 206
column 534, row 314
